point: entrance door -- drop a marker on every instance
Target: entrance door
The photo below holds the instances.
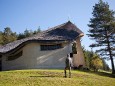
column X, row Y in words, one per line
column 0, row 62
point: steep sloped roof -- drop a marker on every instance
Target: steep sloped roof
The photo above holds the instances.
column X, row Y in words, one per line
column 64, row 32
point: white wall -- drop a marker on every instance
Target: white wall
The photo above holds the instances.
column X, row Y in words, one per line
column 34, row 58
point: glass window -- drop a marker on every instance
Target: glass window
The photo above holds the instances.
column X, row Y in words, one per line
column 50, row 47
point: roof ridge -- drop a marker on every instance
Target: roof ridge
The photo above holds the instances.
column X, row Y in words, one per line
column 49, row 29
column 60, row 25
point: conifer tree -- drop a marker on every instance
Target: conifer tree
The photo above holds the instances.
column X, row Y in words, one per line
column 8, row 35
column 102, row 30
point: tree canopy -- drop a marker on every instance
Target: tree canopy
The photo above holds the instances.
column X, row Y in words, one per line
column 8, row 35
column 94, row 61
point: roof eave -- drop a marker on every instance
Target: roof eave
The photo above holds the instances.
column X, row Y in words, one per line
column 81, row 35
column 31, row 41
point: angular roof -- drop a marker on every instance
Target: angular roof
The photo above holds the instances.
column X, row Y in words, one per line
column 64, row 32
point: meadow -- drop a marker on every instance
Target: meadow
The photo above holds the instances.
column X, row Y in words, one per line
column 49, row 77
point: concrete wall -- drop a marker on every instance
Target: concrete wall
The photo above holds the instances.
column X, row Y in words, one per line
column 34, row 58
column 78, row 59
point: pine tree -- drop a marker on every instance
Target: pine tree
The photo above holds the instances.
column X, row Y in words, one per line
column 37, row 31
column 8, row 36
column 102, row 30
column 1, row 37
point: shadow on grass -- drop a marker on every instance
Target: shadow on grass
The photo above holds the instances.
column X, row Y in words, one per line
column 105, row 74
column 42, row 76
column 101, row 73
column 48, row 76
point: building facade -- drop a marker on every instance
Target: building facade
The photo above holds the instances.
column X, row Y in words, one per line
column 45, row 50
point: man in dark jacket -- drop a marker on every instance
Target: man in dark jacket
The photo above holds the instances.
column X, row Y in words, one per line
column 68, row 63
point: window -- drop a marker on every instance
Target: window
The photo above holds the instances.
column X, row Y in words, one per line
column 50, row 47
column 74, row 48
column 15, row 56
column 71, row 54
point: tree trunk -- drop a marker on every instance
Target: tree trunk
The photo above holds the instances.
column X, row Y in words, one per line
column 110, row 53
column 112, row 64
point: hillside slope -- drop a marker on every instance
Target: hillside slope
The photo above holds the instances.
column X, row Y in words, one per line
column 54, row 78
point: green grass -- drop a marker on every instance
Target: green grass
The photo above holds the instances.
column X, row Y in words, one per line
column 55, row 78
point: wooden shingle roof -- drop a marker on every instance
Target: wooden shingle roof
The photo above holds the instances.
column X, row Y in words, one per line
column 64, row 32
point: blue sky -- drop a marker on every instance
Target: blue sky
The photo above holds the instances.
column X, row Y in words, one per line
column 30, row 14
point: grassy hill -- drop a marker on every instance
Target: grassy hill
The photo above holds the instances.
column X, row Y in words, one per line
column 54, row 78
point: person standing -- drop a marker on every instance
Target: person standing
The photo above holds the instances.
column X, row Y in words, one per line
column 68, row 65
